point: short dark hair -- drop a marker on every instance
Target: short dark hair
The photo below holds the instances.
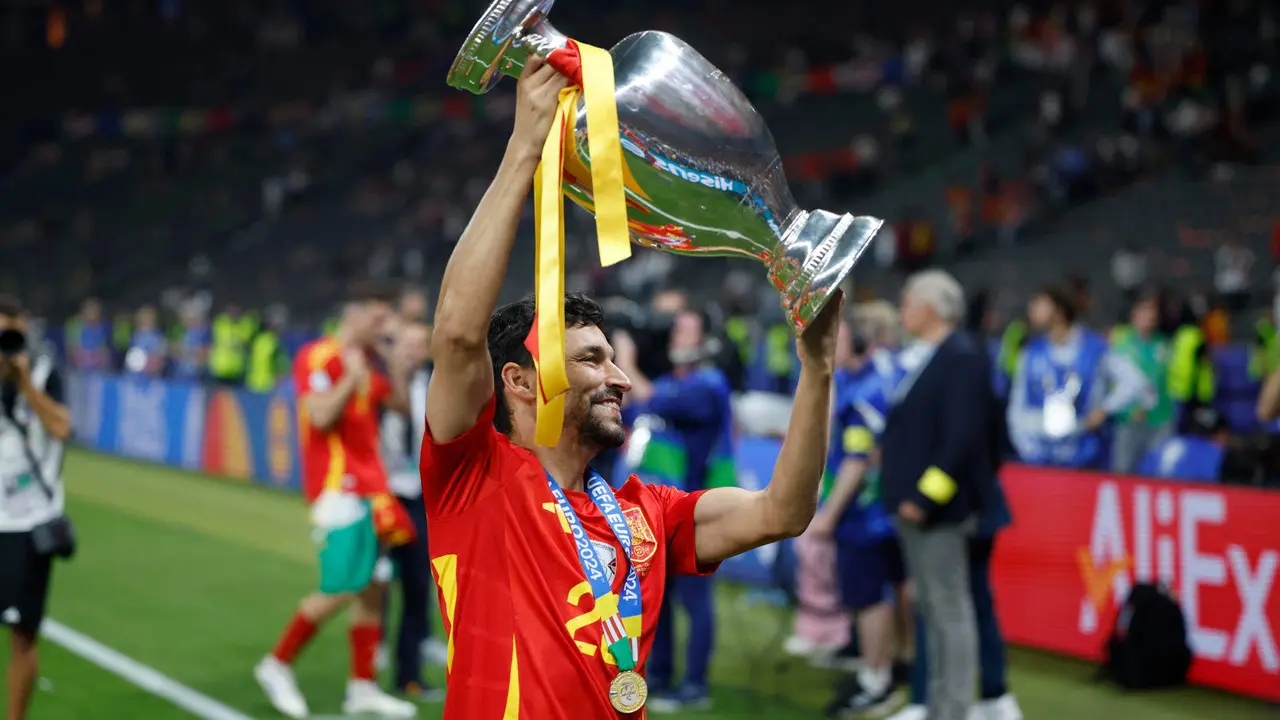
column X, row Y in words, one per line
column 10, row 306
column 372, row 291
column 1061, row 299
column 511, row 324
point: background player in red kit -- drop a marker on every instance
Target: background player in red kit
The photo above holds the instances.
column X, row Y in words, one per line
column 537, row 561
column 340, row 394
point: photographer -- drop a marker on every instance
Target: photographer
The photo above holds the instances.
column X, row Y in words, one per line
column 34, row 422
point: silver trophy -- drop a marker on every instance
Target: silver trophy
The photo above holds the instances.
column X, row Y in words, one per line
column 705, row 177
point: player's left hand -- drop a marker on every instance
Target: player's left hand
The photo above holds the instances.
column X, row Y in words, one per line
column 817, row 346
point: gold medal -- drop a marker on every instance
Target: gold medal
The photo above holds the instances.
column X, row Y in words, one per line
column 628, row 691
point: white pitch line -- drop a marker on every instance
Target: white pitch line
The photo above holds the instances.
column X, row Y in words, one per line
column 147, row 678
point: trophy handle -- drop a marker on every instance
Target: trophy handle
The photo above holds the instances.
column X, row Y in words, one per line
column 501, row 42
column 817, row 252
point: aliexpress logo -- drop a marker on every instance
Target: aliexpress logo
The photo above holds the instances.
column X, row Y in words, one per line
column 1156, row 533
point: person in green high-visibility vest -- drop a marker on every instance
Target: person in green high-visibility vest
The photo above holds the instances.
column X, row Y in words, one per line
column 1264, row 350
column 1192, row 379
column 268, row 360
column 1012, row 341
column 780, row 356
column 742, row 332
column 233, row 330
column 1142, row 425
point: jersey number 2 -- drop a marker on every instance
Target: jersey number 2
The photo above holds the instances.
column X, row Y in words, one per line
column 576, row 595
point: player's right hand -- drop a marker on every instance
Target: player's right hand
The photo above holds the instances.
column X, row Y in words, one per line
column 537, row 95
column 817, row 345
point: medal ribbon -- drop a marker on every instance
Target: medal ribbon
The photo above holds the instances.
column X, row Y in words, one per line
column 620, row 617
column 595, row 85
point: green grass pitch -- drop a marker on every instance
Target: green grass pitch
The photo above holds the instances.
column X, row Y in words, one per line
column 195, row 576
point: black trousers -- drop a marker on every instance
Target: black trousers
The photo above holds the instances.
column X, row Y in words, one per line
column 413, row 565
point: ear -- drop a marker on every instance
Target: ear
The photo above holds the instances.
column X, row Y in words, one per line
column 520, row 382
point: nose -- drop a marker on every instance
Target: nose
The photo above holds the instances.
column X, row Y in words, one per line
column 618, row 379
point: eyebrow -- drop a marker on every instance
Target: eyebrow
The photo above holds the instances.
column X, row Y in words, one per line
column 592, row 352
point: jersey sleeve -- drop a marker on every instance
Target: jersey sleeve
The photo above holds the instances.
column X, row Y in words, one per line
column 680, row 532
column 457, row 473
column 316, row 371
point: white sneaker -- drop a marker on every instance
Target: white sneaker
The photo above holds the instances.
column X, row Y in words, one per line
column 910, row 712
column 364, row 696
column 277, row 681
column 797, row 646
column 435, row 652
column 1004, row 707
column 801, row 647
column 663, row 705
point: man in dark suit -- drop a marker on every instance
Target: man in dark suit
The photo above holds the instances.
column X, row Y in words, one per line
column 936, row 473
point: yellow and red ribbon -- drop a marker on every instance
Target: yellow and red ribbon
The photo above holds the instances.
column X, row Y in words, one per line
column 546, row 341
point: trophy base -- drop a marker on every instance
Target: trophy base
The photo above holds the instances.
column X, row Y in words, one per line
column 493, row 48
column 818, row 252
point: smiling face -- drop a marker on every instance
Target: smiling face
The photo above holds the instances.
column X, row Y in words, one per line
column 596, row 389
column 593, row 403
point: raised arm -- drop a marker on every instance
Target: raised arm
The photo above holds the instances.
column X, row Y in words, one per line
column 730, row 521
column 462, row 380
column 48, row 403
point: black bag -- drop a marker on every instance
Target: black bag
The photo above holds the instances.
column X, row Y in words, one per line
column 1148, row 646
column 56, row 537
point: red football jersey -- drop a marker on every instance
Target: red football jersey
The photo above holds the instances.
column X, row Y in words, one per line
column 346, row 455
column 524, row 640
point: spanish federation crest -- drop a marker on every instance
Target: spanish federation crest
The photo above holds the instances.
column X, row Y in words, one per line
column 644, row 545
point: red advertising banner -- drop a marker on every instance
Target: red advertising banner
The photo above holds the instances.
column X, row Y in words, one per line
column 1080, row 540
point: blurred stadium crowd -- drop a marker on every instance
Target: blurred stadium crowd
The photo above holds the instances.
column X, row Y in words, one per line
column 205, row 179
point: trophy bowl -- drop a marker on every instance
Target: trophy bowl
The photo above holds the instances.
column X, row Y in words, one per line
column 702, row 173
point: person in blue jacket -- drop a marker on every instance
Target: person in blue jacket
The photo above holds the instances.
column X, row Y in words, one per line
column 1197, row 456
column 682, row 436
column 868, row 557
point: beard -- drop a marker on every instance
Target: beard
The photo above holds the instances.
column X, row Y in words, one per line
column 602, row 430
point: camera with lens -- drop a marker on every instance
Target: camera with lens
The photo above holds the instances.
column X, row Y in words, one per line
column 12, row 342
